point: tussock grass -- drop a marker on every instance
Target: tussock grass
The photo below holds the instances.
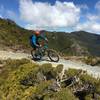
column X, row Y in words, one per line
column 23, row 80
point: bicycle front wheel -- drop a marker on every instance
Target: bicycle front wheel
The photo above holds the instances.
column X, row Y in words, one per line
column 53, row 56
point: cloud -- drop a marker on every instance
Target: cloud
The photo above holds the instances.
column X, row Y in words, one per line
column 2, row 10
column 10, row 14
column 1, row 16
column 89, row 26
column 83, row 6
column 93, row 17
column 6, row 13
column 31, row 26
column 61, row 15
column 91, row 21
column 97, row 6
column 44, row 15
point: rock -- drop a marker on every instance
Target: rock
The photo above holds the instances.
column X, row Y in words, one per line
column 69, row 81
column 40, row 77
column 54, row 86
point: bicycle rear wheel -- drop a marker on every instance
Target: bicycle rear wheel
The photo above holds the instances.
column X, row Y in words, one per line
column 35, row 56
column 53, row 56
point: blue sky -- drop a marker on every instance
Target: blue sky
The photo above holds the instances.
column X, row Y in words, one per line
column 62, row 15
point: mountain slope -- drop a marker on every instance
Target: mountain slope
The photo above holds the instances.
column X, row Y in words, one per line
column 66, row 44
column 75, row 43
column 11, row 35
column 89, row 40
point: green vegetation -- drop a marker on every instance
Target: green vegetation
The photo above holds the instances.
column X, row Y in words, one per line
column 88, row 40
column 13, row 36
column 23, row 80
column 92, row 60
column 64, row 94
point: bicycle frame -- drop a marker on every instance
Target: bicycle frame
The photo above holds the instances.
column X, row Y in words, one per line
column 41, row 51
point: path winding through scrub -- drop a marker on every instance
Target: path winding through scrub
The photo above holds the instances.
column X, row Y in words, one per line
column 92, row 70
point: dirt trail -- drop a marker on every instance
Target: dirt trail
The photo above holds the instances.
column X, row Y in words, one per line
column 95, row 71
column 92, row 70
column 12, row 55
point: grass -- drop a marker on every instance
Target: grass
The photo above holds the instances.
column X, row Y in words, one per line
column 23, row 80
column 91, row 60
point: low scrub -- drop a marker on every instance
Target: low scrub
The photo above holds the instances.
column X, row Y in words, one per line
column 29, row 81
column 91, row 60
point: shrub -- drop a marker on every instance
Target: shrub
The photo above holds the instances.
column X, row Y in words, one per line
column 88, row 97
column 87, row 78
column 71, row 72
column 11, row 87
column 59, row 68
column 48, row 71
column 16, row 63
column 64, row 94
column 91, row 60
column 26, row 82
column 1, row 61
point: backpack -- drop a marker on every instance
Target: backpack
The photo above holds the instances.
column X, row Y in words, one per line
column 30, row 38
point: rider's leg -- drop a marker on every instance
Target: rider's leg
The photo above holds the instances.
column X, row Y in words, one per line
column 34, row 49
column 36, row 52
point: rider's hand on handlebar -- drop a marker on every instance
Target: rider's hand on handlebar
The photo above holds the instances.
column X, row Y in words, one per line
column 40, row 46
column 46, row 40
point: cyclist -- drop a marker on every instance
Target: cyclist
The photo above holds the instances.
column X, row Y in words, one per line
column 37, row 39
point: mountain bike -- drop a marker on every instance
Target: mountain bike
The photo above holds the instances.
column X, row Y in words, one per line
column 43, row 51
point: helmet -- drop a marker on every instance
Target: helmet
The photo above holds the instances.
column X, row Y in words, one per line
column 37, row 32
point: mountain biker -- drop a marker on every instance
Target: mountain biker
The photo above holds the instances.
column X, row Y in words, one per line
column 37, row 39
column 39, row 42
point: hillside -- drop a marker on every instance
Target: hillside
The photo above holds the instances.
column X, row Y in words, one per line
column 66, row 44
column 89, row 40
column 75, row 43
column 12, row 35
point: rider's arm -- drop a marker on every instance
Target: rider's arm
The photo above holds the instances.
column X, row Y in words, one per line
column 44, row 38
column 34, row 41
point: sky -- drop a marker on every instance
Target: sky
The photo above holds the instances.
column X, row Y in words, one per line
column 53, row 15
